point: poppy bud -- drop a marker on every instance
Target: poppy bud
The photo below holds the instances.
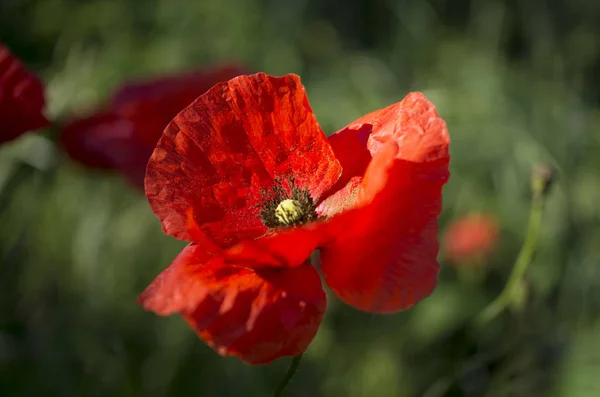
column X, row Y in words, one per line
column 542, row 179
column 470, row 239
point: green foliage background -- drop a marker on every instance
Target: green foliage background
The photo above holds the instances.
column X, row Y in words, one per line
column 517, row 82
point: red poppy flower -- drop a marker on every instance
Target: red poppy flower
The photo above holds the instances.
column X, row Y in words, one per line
column 247, row 176
column 123, row 135
column 471, row 238
column 21, row 98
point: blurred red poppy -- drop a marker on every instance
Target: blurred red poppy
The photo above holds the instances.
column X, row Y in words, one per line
column 471, row 238
column 246, row 175
column 21, row 98
column 123, row 135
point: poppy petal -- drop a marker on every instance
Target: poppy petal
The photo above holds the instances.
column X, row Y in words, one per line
column 286, row 248
column 21, row 98
column 92, row 140
column 384, row 256
column 194, row 82
column 413, row 123
column 151, row 105
column 223, row 151
column 107, row 141
column 350, row 147
column 124, row 137
column 261, row 316
column 257, row 316
column 471, row 239
column 179, row 288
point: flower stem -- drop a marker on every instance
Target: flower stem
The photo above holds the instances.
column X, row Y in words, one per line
column 511, row 292
column 288, row 376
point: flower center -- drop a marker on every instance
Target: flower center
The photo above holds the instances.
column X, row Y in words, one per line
column 289, row 212
column 287, row 206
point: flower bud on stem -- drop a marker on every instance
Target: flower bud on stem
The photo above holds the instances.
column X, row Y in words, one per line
column 542, row 178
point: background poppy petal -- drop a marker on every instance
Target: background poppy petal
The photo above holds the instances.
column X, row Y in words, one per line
column 151, row 104
column 88, row 140
column 123, row 136
column 413, row 123
column 222, row 151
column 257, row 316
column 191, row 84
column 384, row 256
column 107, row 141
column 471, row 239
column 22, row 99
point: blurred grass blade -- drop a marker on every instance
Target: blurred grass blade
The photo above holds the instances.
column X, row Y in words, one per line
column 21, row 173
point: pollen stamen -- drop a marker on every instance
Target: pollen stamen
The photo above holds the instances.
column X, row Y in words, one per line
column 287, row 206
column 289, row 211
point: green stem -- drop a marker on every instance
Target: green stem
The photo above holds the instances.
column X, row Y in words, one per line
column 288, row 376
column 511, row 290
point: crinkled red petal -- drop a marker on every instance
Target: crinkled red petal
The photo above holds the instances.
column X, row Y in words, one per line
column 413, row 123
column 179, row 288
column 22, row 98
column 384, row 256
column 256, row 315
column 287, row 248
column 350, row 147
column 225, row 149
